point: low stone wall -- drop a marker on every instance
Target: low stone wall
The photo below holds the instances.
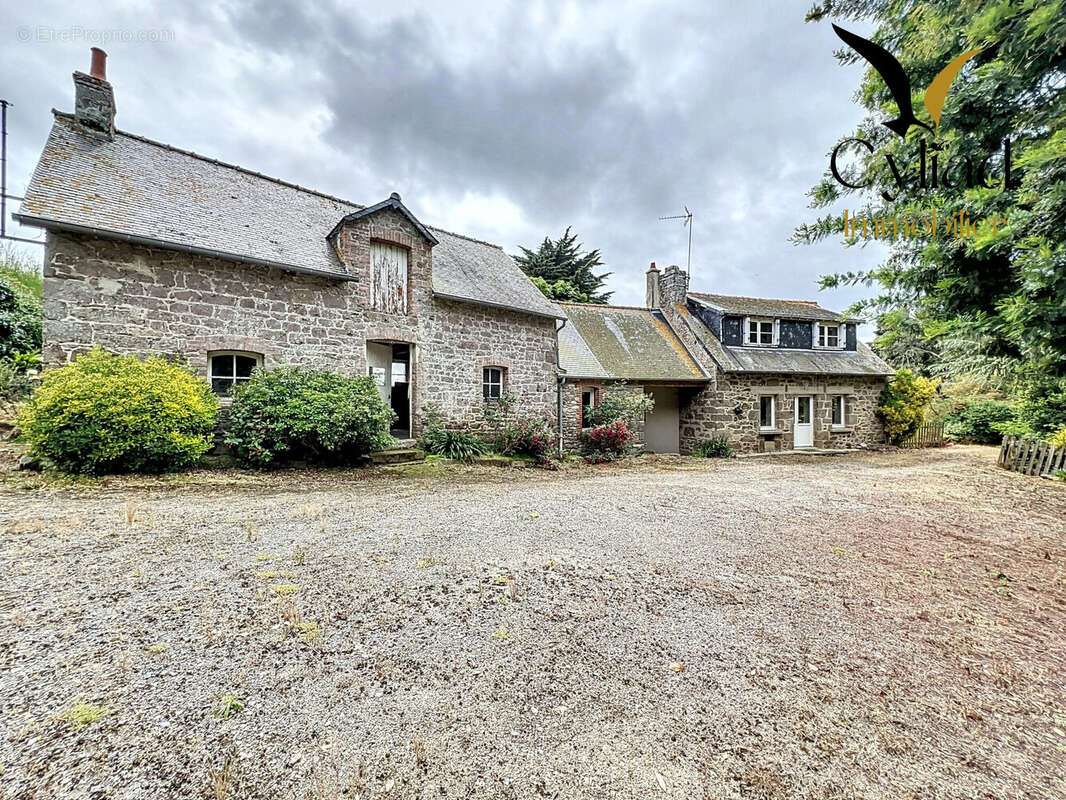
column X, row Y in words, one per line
column 731, row 409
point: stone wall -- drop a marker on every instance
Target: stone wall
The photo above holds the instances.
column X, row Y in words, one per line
column 571, row 392
column 731, row 408
column 133, row 299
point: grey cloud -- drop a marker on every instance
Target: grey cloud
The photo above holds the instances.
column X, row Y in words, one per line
column 717, row 106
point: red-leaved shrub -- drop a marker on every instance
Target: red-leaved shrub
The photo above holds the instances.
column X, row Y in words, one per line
column 609, row 440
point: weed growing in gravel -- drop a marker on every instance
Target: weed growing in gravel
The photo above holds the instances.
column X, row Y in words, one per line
column 156, row 649
column 299, row 556
column 501, row 633
column 309, row 632
column 84, row 714
column 271, row 574
column 264, row 557
column 251, row 531
column 285, row 589
column 222, row 778
column 131, row 512
column 429, row 561
column 228, row 704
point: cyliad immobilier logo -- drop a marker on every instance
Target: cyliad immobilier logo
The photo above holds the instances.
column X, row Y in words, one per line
column 932, row 168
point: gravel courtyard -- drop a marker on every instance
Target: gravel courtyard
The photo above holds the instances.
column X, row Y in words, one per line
column 869, row 626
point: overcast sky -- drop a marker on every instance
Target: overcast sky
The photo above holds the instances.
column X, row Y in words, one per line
column 503, row 121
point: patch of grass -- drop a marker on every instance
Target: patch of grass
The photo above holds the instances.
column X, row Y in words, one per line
column 309, row 632
column 272, row 574
column 227, row 706
column 264, row 557
column 85, row 714
column 429, row 561
column 156, row 649
column 501, row 633
column 299, row 556
column 285, row 589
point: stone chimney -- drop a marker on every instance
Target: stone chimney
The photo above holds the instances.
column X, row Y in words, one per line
column 94, row 100
column 673, row 285
column 651, row 293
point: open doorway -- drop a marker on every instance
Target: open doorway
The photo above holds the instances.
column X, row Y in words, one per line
column 389, row 364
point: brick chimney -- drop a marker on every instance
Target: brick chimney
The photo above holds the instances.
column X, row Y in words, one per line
column 651, row 293
column 94, row 100
column 673, row 285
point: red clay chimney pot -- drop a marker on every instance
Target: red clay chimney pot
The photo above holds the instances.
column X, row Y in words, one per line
column 99, row 64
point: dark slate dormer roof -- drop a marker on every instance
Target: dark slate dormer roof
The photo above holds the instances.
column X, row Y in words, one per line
column 765, row 307
column 393, row 201
column 139, row 190
column 614, row 342
column 734, row 358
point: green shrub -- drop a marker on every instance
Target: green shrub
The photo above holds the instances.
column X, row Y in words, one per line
column 902, row 404
column 981, row 422
column 457, row 445
column 1041, row 405
column 20, row 306
column 716, row 447
column 293, row 413
column 516, row 435
column 619, row 405
column 105, row 413
column 15, row 384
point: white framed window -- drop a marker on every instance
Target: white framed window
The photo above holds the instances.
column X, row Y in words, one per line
column 828, row 335
column 492, row 382
column 760, row 332
column 839, row 410
column 228, row 368
column 767, row 412
column 590, row 398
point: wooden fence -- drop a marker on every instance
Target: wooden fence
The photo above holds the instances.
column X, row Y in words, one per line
column 931, row 434
column 1031, row 456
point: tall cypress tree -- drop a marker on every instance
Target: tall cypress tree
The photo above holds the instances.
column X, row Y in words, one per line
column 563, row 260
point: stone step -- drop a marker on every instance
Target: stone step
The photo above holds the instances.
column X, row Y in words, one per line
column 398, row 456
column 403, row 444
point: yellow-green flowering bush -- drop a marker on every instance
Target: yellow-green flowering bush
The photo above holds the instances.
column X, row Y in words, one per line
column 104, row 413
column 903, row 402
column 1058, row 439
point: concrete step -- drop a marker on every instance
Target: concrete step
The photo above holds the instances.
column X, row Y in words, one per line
column 398, row 456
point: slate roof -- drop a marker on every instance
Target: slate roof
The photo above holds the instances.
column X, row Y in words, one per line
column 822, row 362
column 765, row 307
column 146, row 191
column 623, row 343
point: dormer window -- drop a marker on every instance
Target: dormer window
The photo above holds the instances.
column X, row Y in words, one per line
column 828, row 336
column 760, row 332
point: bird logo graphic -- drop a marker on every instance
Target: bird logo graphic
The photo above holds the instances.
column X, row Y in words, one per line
column 899, row 84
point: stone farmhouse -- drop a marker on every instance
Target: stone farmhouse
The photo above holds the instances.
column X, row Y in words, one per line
column 153, row 249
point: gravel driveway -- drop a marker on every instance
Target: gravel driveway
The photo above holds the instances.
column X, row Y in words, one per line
column 869, row 626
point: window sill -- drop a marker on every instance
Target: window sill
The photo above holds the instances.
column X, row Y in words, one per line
column 769, row 431
column 841, row 429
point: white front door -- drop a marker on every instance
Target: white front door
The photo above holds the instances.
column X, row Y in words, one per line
column 803, row 431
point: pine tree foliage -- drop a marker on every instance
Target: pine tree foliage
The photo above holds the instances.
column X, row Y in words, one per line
column 567, row 272
column 994, row 303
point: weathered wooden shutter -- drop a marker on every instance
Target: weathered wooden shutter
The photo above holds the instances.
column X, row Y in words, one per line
column 388, row 278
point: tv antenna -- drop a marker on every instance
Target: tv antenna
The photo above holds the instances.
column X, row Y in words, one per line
column 4, row 196
column 687, row 217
